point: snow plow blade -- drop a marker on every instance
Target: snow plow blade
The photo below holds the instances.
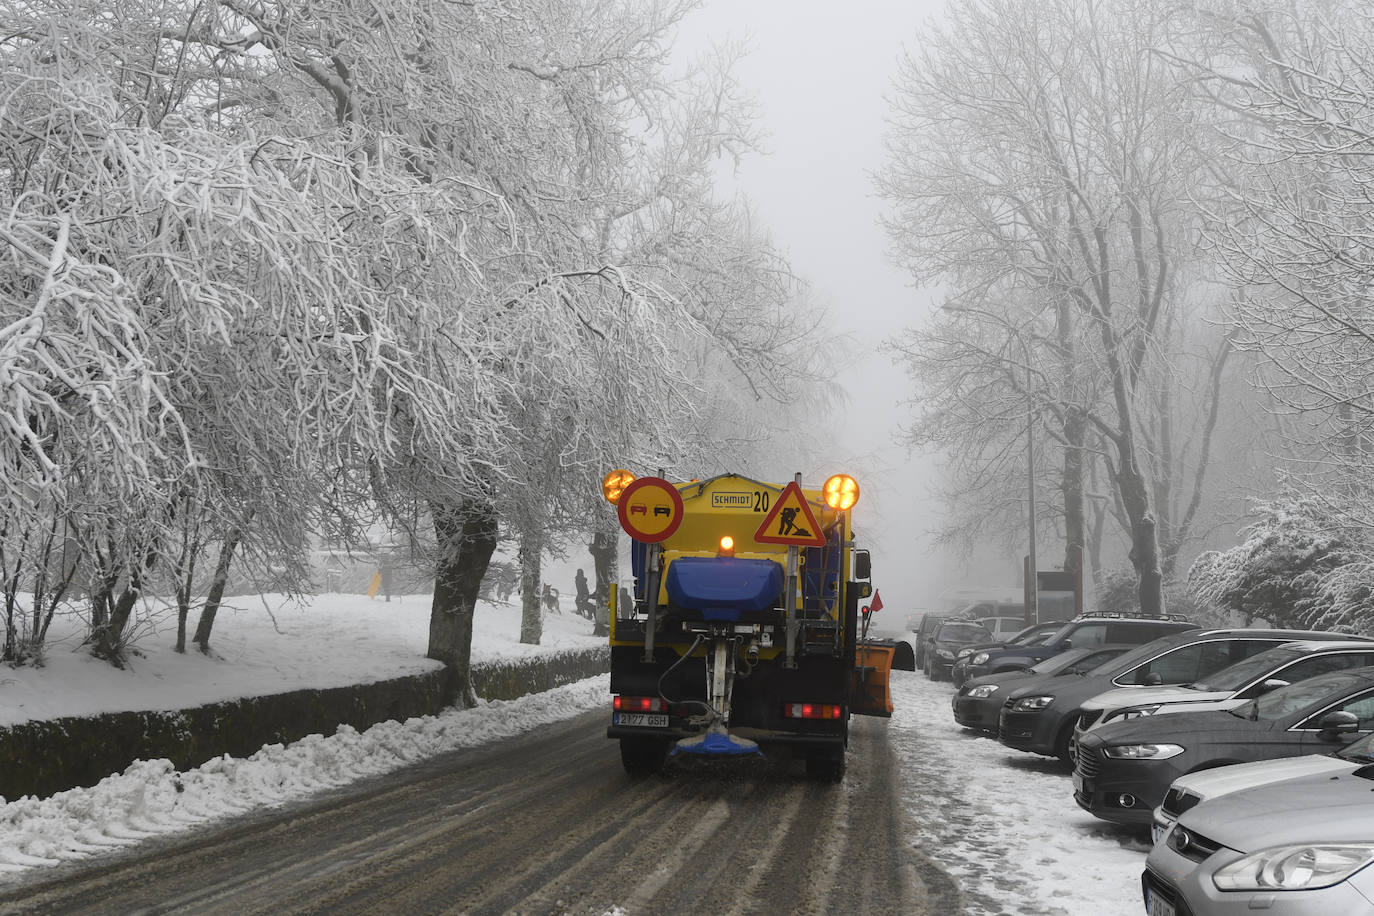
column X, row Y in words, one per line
column 872, row 668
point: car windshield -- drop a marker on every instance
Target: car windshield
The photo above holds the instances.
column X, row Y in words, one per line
column 1295, row 697
column 1124, row 663
column 1028, row 636
column 1243, row 672
column 963, row 633
column 1361, row 751
column 1057, row 663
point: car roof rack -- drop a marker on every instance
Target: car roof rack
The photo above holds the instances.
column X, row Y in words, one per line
column 1117, row 615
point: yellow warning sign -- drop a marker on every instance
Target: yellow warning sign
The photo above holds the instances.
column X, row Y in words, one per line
column 791, row 521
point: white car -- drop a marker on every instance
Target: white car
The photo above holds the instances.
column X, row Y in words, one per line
column 1231, row 686
column 1186, row 792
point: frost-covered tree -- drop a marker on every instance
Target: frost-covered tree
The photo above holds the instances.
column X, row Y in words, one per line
column 1300, row 565
column 1041, row 167
column 1295, row 82
column 280, row 267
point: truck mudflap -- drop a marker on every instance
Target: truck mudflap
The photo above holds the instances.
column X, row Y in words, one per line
column 870, row 695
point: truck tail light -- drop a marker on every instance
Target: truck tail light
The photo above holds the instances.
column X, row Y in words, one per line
column 639, row 704
column 810, row 711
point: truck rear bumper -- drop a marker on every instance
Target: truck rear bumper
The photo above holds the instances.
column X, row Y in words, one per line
column 765, row 738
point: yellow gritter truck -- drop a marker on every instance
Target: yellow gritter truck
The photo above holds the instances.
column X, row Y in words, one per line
column 742, row 632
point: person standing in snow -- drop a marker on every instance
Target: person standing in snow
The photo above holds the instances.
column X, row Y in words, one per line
column 584, row 596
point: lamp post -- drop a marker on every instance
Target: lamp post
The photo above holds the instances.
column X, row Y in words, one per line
column 1032, row 579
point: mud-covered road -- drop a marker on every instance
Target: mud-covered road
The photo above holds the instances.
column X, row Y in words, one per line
column 544, row 823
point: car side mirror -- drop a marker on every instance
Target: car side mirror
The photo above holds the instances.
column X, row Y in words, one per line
column 863, row 566
column 1274, row 683
column 1335, row 724
column 1154, row 679
column 1066, row 645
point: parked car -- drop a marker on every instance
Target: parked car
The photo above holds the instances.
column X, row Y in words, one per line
column 1028, row 636
column 1300, row 847
column 1229, row 687
column 1041, row 719
column 924, row 628
column 1191, row 789
column 1089, row 630
column 1124, row 770
column 949, row 637
column 978, row 702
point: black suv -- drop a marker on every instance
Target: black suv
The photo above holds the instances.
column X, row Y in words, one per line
column 1088, row 630
column 949, row 637
column 1040, row 718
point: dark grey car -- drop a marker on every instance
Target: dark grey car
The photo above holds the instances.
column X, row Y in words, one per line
column 1125, row 769
column 978, row 702
column 1041, row 719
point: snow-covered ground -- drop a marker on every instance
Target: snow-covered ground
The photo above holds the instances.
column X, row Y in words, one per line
column 1003, row 823
column 263, row 644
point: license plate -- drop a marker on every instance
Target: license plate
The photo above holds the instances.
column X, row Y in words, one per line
column 1156, row 905
column 641, row 719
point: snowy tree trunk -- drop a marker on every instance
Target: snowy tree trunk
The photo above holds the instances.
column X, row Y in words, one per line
column 603, row 551
column 531, row 616
column 466, row 538
column 216, row 593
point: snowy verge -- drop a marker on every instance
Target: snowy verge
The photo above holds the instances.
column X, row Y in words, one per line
column 282, row 669
column 151, row 798
column 1004, row 823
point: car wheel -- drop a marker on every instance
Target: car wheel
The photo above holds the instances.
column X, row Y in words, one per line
column 643, row 756
column 1063, row 745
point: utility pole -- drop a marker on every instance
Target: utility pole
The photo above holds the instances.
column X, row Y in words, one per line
column 1032, row 578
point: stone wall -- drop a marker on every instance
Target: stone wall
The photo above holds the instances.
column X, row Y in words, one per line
column 41, row 758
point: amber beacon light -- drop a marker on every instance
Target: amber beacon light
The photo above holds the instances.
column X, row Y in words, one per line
column 614, row 483
column 727, row 547
column 841, row 492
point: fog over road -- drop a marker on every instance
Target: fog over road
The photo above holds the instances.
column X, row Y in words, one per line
column 544, row 823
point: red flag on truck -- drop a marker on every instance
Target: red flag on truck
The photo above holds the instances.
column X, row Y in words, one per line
column 877, row 604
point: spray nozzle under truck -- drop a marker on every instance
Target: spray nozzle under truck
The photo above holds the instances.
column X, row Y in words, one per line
column 742, row 633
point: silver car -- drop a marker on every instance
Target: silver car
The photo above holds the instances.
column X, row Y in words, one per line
column 1301, row 847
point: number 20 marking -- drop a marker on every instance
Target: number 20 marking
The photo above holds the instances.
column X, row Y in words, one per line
column 760, row 501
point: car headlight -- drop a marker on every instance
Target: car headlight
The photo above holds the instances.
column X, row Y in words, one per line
column 983, row 691
column 1030, row 703
column 1135, row 712
column 1294, row 868
column 965, row 653
column 944, row 653
column 1142, row 751
column 980, row 659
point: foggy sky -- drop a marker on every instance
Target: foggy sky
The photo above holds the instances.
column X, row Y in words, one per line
column 820, row 74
